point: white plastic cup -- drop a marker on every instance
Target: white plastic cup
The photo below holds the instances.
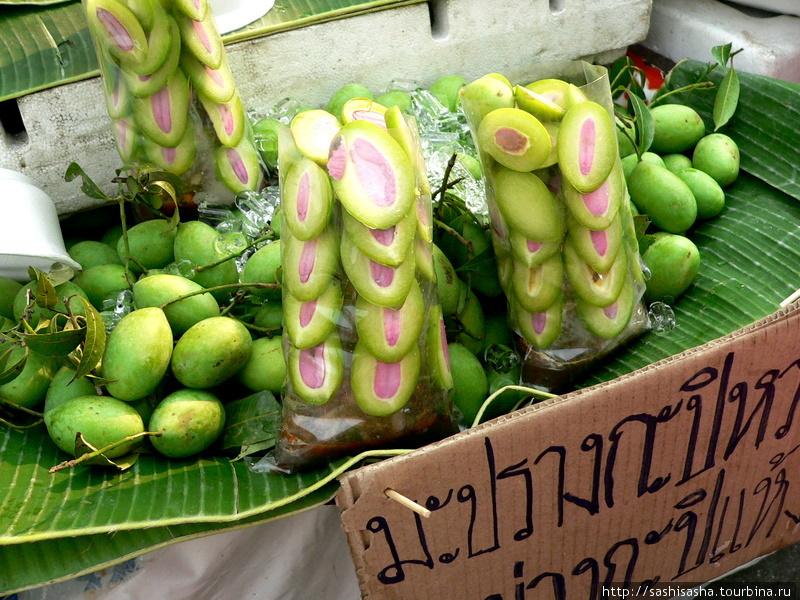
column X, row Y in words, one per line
column 31, row 231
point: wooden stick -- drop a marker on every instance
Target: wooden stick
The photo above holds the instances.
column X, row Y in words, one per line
column 407, row 502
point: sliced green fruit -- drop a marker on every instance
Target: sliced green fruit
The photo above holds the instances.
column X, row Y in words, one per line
column 587, row 146
column 126, row 139
column 307, row 199
column 202, row 39
column 309, row 323
column 389, row 334
column 408, row 138
column 520, row 195
column 364, row 109
column 265, row 136
column 386, row 246
column 598, row 208
column 194, row 9
column 423, row 256
column 313, row 131
column 598, row 289
column 611, row 320
column 177, row 160
column 309, row 266
column 535, row 289
column 377, row 283
column 438, row 356
column 372, row 175
column 227, row 118
column 539, row 105
column 145, row 11
column 215, row 84
column 553, row 91
column 514, row 138
column 161, row 288
column 382, row 388
column 159, row 44
column 238, row 167
column 316, row 373
column 163, row 116
column 542, row 328
column 118, row 98
column 484, row 95
column 530, row 252
column 597, row 247
column 118, row 30
column 345, row 93
column 143, row 85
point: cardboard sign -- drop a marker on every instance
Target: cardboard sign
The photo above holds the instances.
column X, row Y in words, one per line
column 678, row 472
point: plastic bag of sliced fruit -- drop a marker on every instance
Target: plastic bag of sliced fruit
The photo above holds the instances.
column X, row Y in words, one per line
column 561, row 220
column 364, row 335
column 171, row 96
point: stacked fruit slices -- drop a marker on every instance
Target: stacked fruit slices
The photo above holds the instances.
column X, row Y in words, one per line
column 153, row 55
column 359, row 288
column 561, row 222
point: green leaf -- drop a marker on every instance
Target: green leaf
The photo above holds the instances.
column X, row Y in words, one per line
column 249, row 449
column 721, row 54
column 94, row 344
column 251, row 420
column 767, row 133
column 59, row 343
column 60, row 273
column 88, row 187
column 645, row 128
column 726, row 99
column 11, row 367
column 45, row 294
column 479, row 262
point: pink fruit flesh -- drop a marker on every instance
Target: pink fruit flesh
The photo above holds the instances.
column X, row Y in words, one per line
column 611, row 311
column 169, row 154
column 227, row 118
column 586, row 146
column 312, row 366
column 307, row 310
column 121, row 36
column 445, row 347
column 381, row 274
column 239, row 168
column 307, row 257
column 600, row 242
column 387, row 379
column 392, row 324
column 371, row 116
column 385, row 237
column 196, row 3
column 161, row 110
column 539, row 321
column 511, row 140
column 534, row 246
column 303, row 193
column 337, row 158
column 597, row 201
column 374, row 172
column 215, row 76
column 202, row 35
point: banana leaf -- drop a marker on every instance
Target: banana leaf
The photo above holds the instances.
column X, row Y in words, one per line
column 44, row 45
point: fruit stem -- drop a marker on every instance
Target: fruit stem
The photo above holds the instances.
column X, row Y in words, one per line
column 101, row 451
column 520, row 388
column 225, row 286
column 263, row 238
column 21, row 408
column 20, row 427
column 686, row 88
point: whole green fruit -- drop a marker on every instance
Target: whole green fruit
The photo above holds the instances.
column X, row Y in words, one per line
column 196, row 242
column 677, row 128
column 211, row 352
column 65, row 387
column 662, row 196
column 446, row 90
column 676, row 162
column 156, row 290
column 263, row 267
column 8, row 291
column 266, row 367
column 673, row 261
column 103, row 282
column 345, row 93
column 150, row 243
column 470, row 385
column 64, row 290
column 707, row 192
column 189, row 421
column 401, row 100
column 90, row 253
column 718, row 155
column 29, row 388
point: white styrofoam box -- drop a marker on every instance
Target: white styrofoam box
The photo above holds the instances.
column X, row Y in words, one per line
column 690, row 28
column 787, row 7
column 469, row 37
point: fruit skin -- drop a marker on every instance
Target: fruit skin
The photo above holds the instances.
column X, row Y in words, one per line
column 404, row 326
column 447, row 282
column 707, row 192
column 210, row 352
column 65, row 387
column 484, row 95
column 518, row 196
column 266, row 367
column 195, row 242
column 438, row 356
column 446, row 90
column 608, row 322
column 189, row 422
column 717, row 155
column 90, row 253
column 660, row 194
column 155, row 290
column 308, row 267
column 238, row 167
column 137, row 354
column 263, row 267
column 379, row 284
column 345, row 93
column 395, row 98
column 63, row 290
column 309, row 323
column 677, row 128
column 673, row 261
column 29, row 388
column 587, row 145
column 107, row 18
column 307, row 199
column 102, row 420
column 8, row 291
column 676, row 162
column 325, row 360
column 470, row 385
column 103, row 282
column 151, row 244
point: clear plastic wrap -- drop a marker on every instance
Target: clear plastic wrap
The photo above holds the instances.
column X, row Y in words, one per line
column 561, row 220
column 363, row 330
column 171, row 96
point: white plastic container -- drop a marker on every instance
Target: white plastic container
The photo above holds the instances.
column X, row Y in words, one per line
column 32, row 233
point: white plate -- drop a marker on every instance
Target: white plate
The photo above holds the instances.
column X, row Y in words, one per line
column 231, row 15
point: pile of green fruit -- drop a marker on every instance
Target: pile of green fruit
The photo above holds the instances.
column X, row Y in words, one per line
column 186, row 345
column 678, row 181
column 155, row 57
